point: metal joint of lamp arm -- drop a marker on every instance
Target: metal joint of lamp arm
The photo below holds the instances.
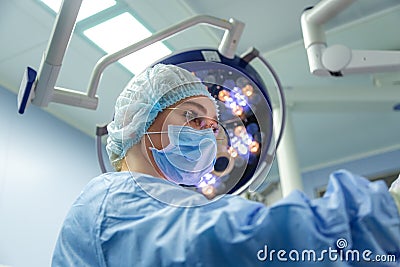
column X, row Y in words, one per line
column 233, row 30
column 339, row 60
column 43, row 91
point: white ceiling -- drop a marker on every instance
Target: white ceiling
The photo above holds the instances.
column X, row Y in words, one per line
column 335, row 119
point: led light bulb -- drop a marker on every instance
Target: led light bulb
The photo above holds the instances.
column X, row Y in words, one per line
column 254, row 147
column 247, row 139
column 233, row 152
column 223, row 95
column 240, row 130
column 248, row 90
column 237, row 110
column 243, row 150
column 209, row 191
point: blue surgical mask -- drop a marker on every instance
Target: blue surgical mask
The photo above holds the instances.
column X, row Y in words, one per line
column 189, row 156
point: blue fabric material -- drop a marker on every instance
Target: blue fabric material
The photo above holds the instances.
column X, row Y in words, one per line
column 114, row 222
column 190, row 155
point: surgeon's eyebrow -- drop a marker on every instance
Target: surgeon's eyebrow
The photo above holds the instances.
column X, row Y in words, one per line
column 199, row 106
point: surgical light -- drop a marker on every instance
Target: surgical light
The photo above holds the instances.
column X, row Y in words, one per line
column 242, row 149
column 247, row 90
column 233, row 152
column 247, row 139
column 225, row 75
column 223, row 95
column 245, row 153
column 209, row 191
column 237, row 110
column 254, row 147
column 239, row 130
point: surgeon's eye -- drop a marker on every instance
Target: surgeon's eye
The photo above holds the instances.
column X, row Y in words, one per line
column 191, row 117
column 210, row 124
column 197, row 122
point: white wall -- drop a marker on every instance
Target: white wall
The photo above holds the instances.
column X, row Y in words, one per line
column 369, row 167
column 44, row 164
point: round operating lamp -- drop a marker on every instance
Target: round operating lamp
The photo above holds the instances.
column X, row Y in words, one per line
column 246, row 141
column 246, row 145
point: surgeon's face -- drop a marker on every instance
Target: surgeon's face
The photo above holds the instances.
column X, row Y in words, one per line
column 197, row 112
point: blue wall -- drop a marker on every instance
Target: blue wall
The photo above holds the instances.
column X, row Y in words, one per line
column 44, row 164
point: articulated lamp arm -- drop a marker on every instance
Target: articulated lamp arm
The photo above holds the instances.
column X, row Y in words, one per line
column 339, row 60
column 227, row 47
column 39, row 87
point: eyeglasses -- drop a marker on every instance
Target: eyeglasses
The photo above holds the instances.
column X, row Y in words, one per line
column 199, row 122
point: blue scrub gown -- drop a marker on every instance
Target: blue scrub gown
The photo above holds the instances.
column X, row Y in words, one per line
column 129, row 219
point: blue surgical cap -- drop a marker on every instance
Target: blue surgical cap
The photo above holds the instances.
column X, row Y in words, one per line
column 143, row 98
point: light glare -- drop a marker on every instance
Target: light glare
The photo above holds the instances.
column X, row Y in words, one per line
column 88, row 7
column 123, row 31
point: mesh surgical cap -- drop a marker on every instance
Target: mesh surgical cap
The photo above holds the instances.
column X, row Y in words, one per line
column 143, row 98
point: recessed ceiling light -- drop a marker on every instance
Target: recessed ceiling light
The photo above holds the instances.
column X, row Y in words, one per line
column 124, row 30
column 88, row 7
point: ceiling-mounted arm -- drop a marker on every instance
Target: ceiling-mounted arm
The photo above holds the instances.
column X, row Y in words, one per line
column 54, row 54
column 40, row 88
column 338, row 60
column 233, row 31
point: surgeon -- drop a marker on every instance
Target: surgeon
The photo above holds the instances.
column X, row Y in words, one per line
column 161, row 142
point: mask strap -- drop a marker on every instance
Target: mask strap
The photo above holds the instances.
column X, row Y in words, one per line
column 151, row 142
column 164, row 132
column 126, row 162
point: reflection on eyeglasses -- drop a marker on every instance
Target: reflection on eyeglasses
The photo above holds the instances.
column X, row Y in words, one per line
column 199, row 122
